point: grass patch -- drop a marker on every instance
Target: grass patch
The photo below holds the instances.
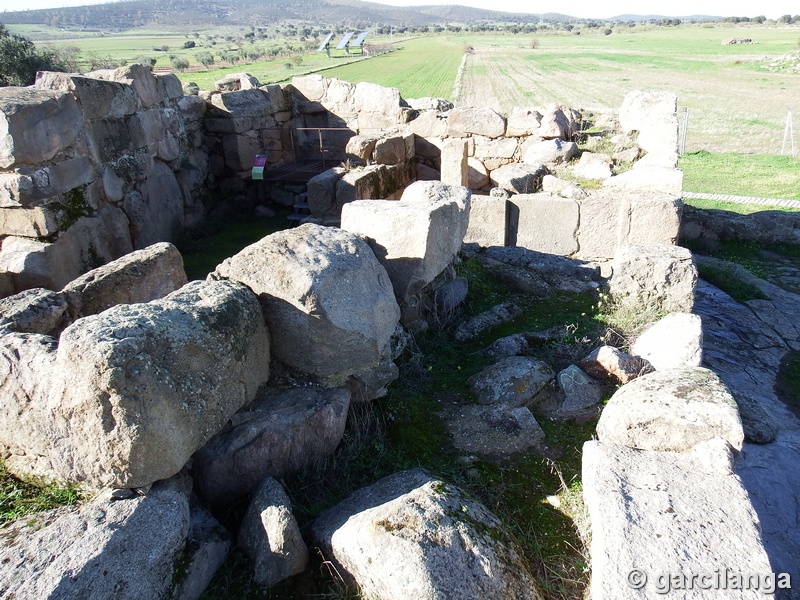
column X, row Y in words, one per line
column 760, row 175
column 765, row 261
column 787, row 383
column 734, row 207
column 203, row 249
column 726, row 278
column 19, row 498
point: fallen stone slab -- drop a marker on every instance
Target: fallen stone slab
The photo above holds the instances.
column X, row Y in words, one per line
column 126, row 549
column 521, row 279
column 207, row 546
column 34, row 311
column 284, row 432
column 519, row 343
column 676, row 341
column 512, row 381
column 137, row 389
column 582, row 394
column 553, row 152
column 410, row 535
column 270, row 536
column 497, row 315
column 414, row 238
column 657, row 513
column 671, row 410
column 477, row 121
column 519, row 178
column 560, row 272
column 141, row 276
column 495, row 431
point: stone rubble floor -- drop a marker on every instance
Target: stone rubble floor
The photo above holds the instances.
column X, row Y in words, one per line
column 744, row 344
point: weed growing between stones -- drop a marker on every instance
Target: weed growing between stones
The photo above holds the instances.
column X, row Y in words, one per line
column 19, row 498
column 73, row 207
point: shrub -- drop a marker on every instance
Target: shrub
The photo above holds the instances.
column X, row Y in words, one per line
column 180, row 63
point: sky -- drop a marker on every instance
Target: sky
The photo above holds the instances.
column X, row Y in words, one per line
column 577, row 8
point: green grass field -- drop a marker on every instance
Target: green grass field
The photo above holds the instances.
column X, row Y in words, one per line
column 763, row 175
column 423, row 67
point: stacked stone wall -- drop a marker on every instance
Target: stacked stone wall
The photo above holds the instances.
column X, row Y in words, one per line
column 93, row 167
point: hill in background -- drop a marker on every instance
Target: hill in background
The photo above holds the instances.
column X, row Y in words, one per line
column 134, row 14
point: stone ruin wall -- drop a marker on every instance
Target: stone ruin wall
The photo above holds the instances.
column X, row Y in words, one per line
column 93, row 167
column 135, row 154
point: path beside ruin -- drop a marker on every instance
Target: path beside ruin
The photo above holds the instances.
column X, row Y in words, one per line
column 744, row 344
column 744, row 199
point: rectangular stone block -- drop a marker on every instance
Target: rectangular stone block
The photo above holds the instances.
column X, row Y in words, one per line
column 454, row 168
column 544, row 223
column 604, row 224
column 34, row 222
column 98, row 99
column 656, row 513
column 487, row 221
column 35, row 125
column 655, row 219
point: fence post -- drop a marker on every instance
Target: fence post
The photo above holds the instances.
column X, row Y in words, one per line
column 682, row 148
column 788, row 135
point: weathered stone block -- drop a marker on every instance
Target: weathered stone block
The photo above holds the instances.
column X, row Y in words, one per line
column 35, row 125
column 280, row 434
column 479, row 121
column 550, row 152
column 270, row 536
column 454, row 168
column 498, row 148
column 35, row 222
column 674, row 342
column 139, row 388
column 156, row 211
column 33, row 311
column 519, row 178
column 322, row 192
column 523, row 122
column 416, row 237
column 240, row 151
column 400, row 538
column 390, row 151
column 604, row 224
column 654, row 276
column 140, row 276
column 487, row 221
column 654, row 218
column 98, row 99
column 328, row 302
column 545, row 223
